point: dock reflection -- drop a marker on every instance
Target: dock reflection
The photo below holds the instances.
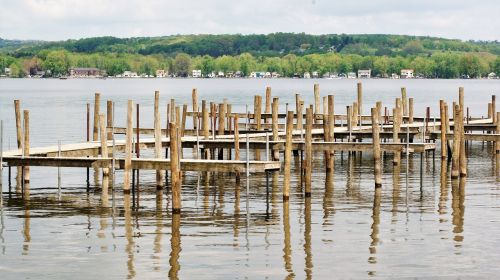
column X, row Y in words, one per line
column 374, row 235
column 287, row 249
column 175, row 244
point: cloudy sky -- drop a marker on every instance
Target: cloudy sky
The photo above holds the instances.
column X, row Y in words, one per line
column 65, row 19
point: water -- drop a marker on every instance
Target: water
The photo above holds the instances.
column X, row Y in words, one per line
column 346, row 229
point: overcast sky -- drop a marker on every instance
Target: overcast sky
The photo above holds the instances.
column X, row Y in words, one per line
column 65, row 19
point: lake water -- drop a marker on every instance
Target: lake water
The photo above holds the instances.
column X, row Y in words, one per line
column 345, row 230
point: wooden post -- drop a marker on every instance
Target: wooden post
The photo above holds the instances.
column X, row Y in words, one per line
column 268, row 102
column 331, row 117
column 97, row 105
column 222, row 126
column 455, row 159
column 410, row 110
column 490, row 112
column 404, row 101
column 442, row 112
column 355, row 114
column 376, row 147
column 349, row 120
column 378, row 106
column 172, row 111
column 104, row 142
column 497, row 143
column 395, row 133
column 257, row 112
column 205, row 120
column 109, row 117
column 288, row 156
column 175, row 169
column 236, row 138
column 494, row 108
column 359, row 108
column 26, row 144
column 275, row 106
column 160, row 174
column 194, row 96
column 19, row 135
column 463, row 155
column 184, row 116
column 308, row 151
column 298, row 109
column 316, row 101
column 128, row 147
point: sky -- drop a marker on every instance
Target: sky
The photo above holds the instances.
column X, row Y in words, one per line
column 74, row 19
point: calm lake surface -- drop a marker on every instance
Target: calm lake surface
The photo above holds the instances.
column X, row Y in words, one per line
column 345, row 230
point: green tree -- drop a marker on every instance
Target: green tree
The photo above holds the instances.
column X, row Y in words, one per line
column 182, row 64
column 57, row 62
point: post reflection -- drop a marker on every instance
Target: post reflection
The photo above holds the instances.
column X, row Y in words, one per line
column 175, row 243
column 328, row 197
column 26, row 229
column 443, row 192
column 375, row 228
column 458, row 209
column 129, row 248
column 287, row 250
column 103, row 221
column 307, row 238
column 396, row 190
column 236, row 223
column 158, row 230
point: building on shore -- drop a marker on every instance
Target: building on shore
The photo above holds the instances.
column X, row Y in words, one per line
column 307, row 75
column 407, row 74
column 351, row 75
column 364, row 73
column 394, row 76
column 160, row 73
column 492, row 75
column 129, row 74
column 196, row 73
column 7, row 72
column 85, row 72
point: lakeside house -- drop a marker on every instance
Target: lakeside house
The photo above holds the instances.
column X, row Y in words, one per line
column 7, row 72
column 364, row 73
column 394, row 76
column 129, row 74
column 86, row 72
column 351, row 75
column 315, row 74
column 196, row 73
column 407, row 74
column 492, row 75
column 160, row 73
column 220, row 74
column 307, row 75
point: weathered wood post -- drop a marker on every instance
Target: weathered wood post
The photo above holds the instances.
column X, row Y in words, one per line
column 237, row 144
column 104, row 142
column 455, row 158
column 410, row 110
column 355, row 114
column 376, row 147
column 183, row 121
column 175, row 168
column 109, row 118
column 497, row 143
column 222, row 126
column 194, row 96
column 128, row 147
column 494, row 107
column 298, row 110
column 317, row 108
column 395, row 133
column 172, row 110
column 257, row 112
column 26, row 144
column 275, row 106
column 19, row 136
column 97, row 105
column 359, row 108
column 308, row 151
column 404, row 102
column 463, row 155
column 331, row 130
column 378, row 106
column 268, row 103
column 288, row 156
column 444, row 147
column 349, row 121
column 205, row 121
column 160, row 174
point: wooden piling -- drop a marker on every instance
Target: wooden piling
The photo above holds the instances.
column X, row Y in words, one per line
column 298, row 110
column 160, row 174
column 275, row 108
column 395, row 133
column 494, row 108
column 26, row 144
column 463, row 155
column 355, row 114
column 104, row 142
column 175, row 168
column 349, row 119
column 376, row 147
column 172, row 110
column 236, row 138
column 109, row 118
column 455, row 159
column 359, row 108
column 316, row 100
column 268, row 103
column 404, row 102
column 288, row 156
column 497, row 143
column 257, row 112
column 19, row 133
column 128, row 148
column 444, row 147
column 410, row 110
column 194, row 96
column 308, row 151
column 222, row 126
column 183, row 121
column 97, row 105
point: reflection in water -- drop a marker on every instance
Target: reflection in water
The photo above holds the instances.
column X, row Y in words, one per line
column 103, row 222
column 158, row 230
column 26, row 229
column 175, row 243
column 443, row 194
column 287, row 250
column 458, row 209
column 129, row 248
column 18, row 179
column 328, row 197
column 236, row 223
column 375, row 231
column 396, row 188
column 307, row 238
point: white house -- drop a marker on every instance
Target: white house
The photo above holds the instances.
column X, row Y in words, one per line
column 220, row 74
column 7, row 71
column 307, row 75
column 315, row 74
column 351, row 75
column 160, row 73
column 407, row 74
column 364, row 73
column 491, row 75
column 196, row 73
column 394, row 76
column 130, row 74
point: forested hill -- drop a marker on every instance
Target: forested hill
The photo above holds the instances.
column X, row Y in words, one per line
column 276, row 44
